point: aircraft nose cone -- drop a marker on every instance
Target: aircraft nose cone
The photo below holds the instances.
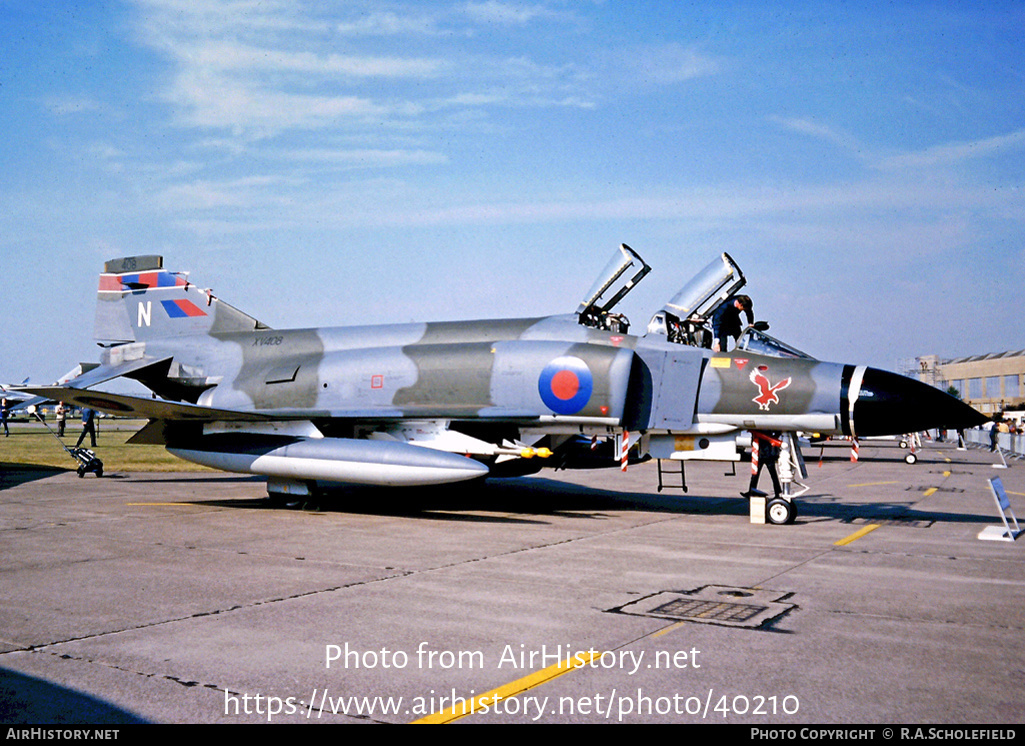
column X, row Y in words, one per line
column 890, row 404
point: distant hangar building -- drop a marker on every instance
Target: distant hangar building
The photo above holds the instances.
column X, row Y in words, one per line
column 991, row 383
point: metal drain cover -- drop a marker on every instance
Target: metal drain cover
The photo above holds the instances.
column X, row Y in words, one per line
column 714, row 604
column 892, row 521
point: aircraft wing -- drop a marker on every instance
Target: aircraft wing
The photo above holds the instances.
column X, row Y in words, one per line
column 17, row 398
column 21, row 397
column 14, row 395
column 107, row 372
column 73, row 384
column 140, row 406
column 128, row 405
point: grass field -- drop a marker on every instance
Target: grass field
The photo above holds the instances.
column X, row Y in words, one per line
column 32, row 444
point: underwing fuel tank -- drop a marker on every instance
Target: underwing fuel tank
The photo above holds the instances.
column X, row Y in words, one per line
column 366, row 462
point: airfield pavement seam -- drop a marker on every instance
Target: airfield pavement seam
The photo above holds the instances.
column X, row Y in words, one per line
column 110, row 666
column 53, row 648
column 186, row 683
column 793, row 567
column 921, row 620
column 43, row 647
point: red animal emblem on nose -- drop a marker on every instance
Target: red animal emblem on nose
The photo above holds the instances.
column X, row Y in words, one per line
column 767, row 392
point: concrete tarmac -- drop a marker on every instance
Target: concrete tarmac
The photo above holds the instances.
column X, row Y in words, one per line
column 189, row 598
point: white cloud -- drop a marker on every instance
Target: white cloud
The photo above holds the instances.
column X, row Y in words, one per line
column 389, row 24
column 819, row 131
column 673, row 63
column 369, row 158
column 248, row 193
column 809, row 210
column 954, row 153
column 177, row 19
column 270, row 69
column 219, row 101
column 227, row 55
column 625, row 70
column 492, row 11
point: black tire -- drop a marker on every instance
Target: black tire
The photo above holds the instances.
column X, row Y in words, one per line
column 780, row 511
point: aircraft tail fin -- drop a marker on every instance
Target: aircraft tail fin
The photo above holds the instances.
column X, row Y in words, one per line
column 138, row 300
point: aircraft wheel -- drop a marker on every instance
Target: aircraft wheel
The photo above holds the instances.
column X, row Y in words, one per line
column 911, row 458
column 903, row 444
column 780, row 511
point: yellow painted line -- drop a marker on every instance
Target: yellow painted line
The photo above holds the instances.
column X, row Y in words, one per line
column 930, row 492
column 507, row 690
column 946, row 474
column 668, row 629
column 857, row 535
column 872, row 484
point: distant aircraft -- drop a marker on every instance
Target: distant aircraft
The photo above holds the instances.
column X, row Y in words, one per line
column 14, row 397
column 431, row 403
column 18, row 397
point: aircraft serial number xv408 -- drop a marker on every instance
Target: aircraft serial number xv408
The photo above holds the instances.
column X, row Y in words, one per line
column 430, row 403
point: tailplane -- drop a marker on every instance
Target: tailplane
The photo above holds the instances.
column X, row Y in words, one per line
column 138, row 300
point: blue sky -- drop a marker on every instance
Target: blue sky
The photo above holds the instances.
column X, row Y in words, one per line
column 363, row 162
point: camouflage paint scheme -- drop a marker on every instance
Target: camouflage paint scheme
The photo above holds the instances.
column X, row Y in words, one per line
column 442, row 402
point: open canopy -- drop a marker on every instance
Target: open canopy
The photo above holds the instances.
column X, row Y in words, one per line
column 698, row 299
column 621, row 274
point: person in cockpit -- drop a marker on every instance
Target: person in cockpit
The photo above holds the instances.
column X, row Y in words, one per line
column 726, row 320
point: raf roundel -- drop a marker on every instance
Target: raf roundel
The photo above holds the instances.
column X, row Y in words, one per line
column 565, row 385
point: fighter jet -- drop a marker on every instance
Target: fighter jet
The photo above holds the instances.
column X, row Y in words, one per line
column 14, row 397
column 433, row 403
column 19, row 397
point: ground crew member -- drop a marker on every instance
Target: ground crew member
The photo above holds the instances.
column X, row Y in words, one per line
column 767, row 446
column 61, row 413
column 88, row 426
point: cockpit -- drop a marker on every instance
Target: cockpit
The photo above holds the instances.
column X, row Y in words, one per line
column 684, row 320
column 688, row 314
column 687, row 318
column 620, row 276
column 754, row 339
